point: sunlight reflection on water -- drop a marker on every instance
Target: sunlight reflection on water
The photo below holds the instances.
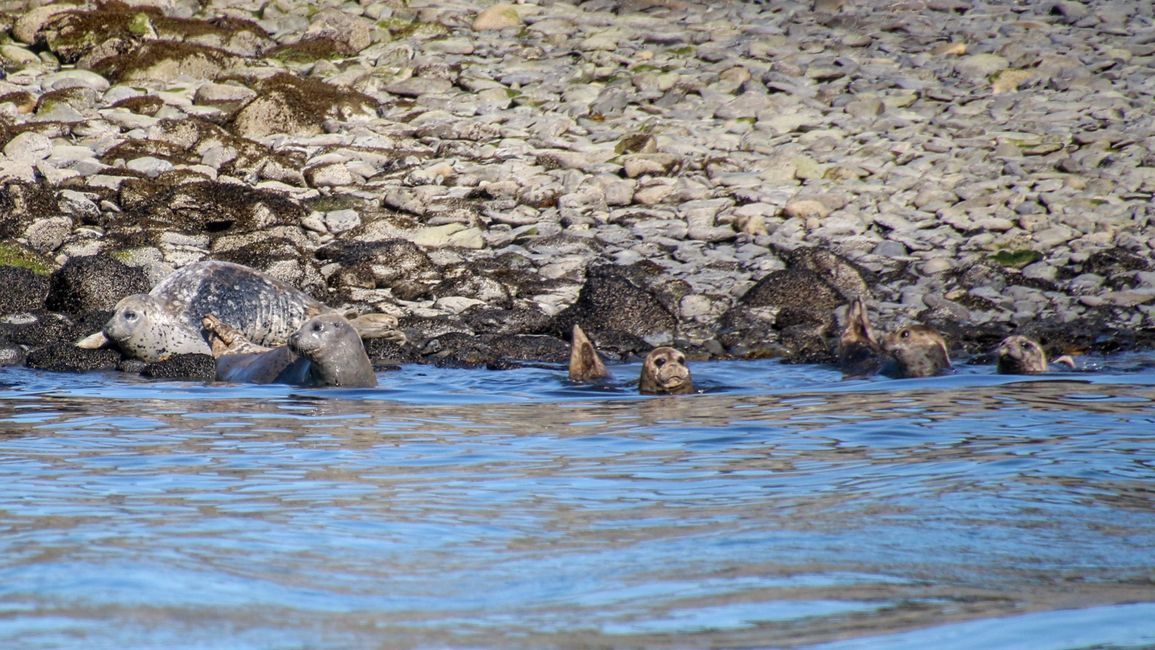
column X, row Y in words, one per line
column 451, row 508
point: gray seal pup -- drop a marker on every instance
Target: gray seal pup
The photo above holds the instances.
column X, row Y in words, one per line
column 665, row 372
column 585, row 364
column 859, row 354
column 917, row 350
column 325, row 351
column 1019, row 355
column 167, row 320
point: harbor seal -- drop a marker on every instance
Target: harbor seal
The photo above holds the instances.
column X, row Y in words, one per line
column 1019, row 355
column 917, row 350
column 585, row 364
column 167, row 320
column 859, row 354
column 665, row 372
column 325, row 351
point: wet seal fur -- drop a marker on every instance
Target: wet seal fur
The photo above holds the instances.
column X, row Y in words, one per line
column 1019, row 355
column 167, row 320
column 585, row 364
column 859, row 353
column 664, row 372
column 325, row 351
column 917, row 350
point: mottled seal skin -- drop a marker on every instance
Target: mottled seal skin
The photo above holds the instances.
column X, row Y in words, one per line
column 665, row 373
column 917, row 350
column 859, row 354
column 167, row 320
column 585, row 364
column 325, row 351
column 1019, row 355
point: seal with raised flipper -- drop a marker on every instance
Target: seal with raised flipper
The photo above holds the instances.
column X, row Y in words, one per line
column 167, row 320
column 859, row 354
column 325, row 351
column 1019, row 355
column 585, row 364
column 917, row 350
column 665, row 372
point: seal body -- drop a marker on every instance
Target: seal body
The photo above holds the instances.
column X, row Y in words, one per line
column 585, row 364
column 665, row 372
column 917, row 350
column 167, row 320
column 325, row 351
column 859, row 354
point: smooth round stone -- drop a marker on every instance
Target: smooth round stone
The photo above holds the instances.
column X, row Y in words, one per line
column 890, row 248
column 149, row 166
column 28, row 147
column 75, row 79
column 937, row 265
column 339, row 221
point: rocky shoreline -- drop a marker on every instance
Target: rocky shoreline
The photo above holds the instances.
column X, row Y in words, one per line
column 724, row 177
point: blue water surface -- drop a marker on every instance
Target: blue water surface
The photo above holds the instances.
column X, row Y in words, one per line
column 779, row 507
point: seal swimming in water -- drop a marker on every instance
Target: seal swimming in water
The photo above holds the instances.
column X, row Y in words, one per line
column 859, row 354
column 167, row 320
column 917, row 350
column 325, row 351
column 585, row 364
column 665, row 372
column 1019, row 355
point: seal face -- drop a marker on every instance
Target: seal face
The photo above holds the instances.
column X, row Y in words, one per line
column 325, row 351
column 1019, row 355
column 918, row 351
column 859, row 354
column 143, row 329
column 665, row 372
column 585, row 364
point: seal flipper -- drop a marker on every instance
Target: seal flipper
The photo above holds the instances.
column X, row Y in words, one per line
column 859, row 353
column 585, row 364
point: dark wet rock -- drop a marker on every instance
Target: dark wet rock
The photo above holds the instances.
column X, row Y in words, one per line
column 386, row 354
column 211, row 208
column 517, row 320
column 493, row 351
column 20, row 204
column 468, row 284
column 92, row 283
column 787, row 313
column 23, row 291
column 612, row 300
column 66, row 357
column 849, row 279
column 289, row 104
column 384, row 264
column 42, row 328
column 191, row 367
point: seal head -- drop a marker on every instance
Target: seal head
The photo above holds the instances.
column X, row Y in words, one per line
column 142, row 328
column 917, row 350
column 665, row 373
column 336, row 354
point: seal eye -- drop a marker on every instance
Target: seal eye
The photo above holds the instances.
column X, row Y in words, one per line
column 659, row 362
column 681, row 361
column 129, row 315
column 317, row 327
column 905, row 334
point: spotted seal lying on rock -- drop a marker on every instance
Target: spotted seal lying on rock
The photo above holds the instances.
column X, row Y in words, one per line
column 325, row 351
column 1019, row 355
column 167, row 320
column 917, row 350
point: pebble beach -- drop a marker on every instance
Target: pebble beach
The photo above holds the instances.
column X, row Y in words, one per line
column 725, row 177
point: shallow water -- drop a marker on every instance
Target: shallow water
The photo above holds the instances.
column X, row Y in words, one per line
column 780, row 507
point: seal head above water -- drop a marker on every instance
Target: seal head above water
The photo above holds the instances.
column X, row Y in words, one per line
column 325, row 351
column 917, row 350
column 1019, row 355
column 665, row 372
